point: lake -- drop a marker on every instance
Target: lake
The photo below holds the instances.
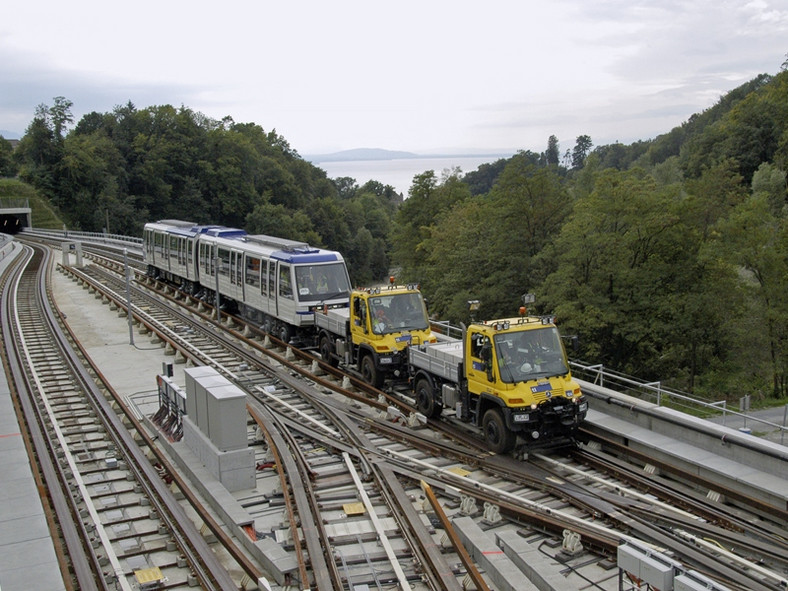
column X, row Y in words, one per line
column 399, row 173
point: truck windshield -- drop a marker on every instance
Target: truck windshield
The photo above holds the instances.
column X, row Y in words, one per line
column 319, row 283
column 398, row 312
column 530, row 354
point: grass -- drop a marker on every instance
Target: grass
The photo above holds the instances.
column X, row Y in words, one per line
column 43, row 215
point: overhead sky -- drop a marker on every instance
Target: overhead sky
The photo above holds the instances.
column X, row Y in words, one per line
column 425, row 76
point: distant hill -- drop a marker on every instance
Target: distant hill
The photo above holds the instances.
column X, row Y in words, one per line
column 9, row 135
column 361, row 154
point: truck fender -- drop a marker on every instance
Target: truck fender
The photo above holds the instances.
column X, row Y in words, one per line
column 429, row 400
column 361, row 351
column 487, row 402
column 423, row 375
column 327, row 348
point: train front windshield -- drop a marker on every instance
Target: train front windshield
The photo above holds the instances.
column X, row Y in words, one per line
column 319, row 283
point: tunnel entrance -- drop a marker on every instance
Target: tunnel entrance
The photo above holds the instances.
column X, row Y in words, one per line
column 12, row 223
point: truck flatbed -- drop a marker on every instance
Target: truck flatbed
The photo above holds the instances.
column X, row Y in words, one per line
column 335, row 320
column 442, row 358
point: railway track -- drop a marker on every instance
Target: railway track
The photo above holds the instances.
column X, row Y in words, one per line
column 121, row 526
column 447, row 506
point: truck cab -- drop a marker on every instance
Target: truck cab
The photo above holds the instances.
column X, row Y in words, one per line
column 510, row 377
column 374, row 332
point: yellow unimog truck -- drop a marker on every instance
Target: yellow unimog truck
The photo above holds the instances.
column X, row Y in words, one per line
column 373, row 333
column 508, row 377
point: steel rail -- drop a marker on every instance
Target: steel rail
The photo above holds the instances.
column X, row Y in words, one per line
column 82, row 562
column 323, row 567
column 265, row 425
column 247, row 565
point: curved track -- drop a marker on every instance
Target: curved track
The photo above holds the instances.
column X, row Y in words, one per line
column 121, row 523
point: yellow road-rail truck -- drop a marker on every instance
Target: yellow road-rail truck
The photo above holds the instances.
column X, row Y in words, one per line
column 374, row 332
column 508, row 377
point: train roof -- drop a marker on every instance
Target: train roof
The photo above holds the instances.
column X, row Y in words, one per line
column 281, row 249
column 190, row 229
column 222, row 232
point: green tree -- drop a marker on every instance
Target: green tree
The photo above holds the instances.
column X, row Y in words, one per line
column 60, row 115
column 429, row 200
column 276, row 220
column 755, row 239
column 484, row 247
column 622, row 258
column 38, row 153
column 552, row 154
column 8, row 167
column 580, row 151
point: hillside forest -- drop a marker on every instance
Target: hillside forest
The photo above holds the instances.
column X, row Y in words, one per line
column 666, row 258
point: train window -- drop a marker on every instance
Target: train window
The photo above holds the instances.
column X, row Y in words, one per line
column 173, row 247
column 252, row 271
column 271, row 280
column 285, row 287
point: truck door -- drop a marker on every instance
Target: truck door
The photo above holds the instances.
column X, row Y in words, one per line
column 479, row 364
column 358, row 316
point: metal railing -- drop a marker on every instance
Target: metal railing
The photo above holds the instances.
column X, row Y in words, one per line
column 103, row 237
column 658, row 394
column 443, row 328
column 14, row 203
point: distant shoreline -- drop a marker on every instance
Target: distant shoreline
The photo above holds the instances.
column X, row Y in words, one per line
column 376, row 154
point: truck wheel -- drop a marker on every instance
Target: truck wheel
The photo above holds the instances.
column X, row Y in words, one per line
column 425, row 401
column 284, row 333
column 326, row 351
column 499, row 439
column 369, row 372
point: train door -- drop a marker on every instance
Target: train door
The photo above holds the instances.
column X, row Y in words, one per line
column 237, row 274
column 146, row 246
column 172, row 253
column 251, row 284
column 285, row 302
column 191, row 270
column 272, row 288
column 207, row 267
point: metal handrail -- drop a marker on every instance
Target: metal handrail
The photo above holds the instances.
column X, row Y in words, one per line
column 655, row 392
column 14, row 203
column 95, row 236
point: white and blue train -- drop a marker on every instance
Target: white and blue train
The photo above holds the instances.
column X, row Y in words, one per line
column 274, row 282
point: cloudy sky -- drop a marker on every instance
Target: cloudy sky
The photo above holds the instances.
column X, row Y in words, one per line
column 425, row 76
